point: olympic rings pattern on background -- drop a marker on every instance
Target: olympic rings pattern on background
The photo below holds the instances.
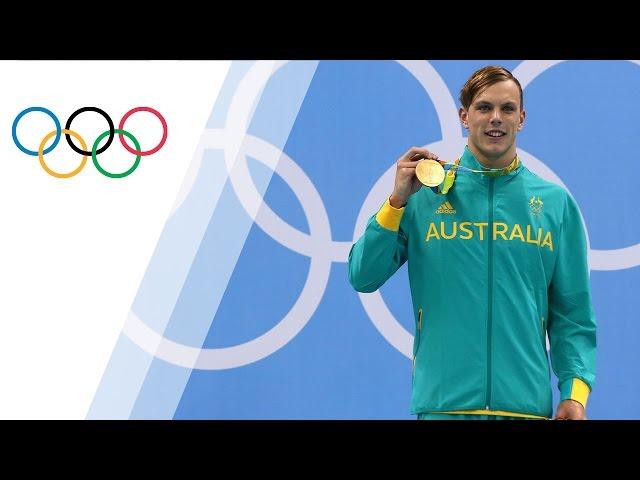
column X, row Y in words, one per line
column 94, row 152
column 237, row 144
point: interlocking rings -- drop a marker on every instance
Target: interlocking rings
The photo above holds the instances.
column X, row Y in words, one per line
column 95, row 151
column 49, row 170
column 236, row 143
column 14, row 129
column 89, row 109
column 95, row 157
column 164, row 131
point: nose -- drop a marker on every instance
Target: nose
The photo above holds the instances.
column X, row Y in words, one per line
column 495, row 117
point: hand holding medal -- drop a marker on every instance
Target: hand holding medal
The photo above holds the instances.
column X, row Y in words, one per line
column 406, row 182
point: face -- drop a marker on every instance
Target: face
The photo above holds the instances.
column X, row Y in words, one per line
column 493, row 120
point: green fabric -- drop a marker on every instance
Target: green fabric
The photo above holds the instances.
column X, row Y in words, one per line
column 513, row 267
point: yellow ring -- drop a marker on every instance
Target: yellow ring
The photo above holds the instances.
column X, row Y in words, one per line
column 52, row 172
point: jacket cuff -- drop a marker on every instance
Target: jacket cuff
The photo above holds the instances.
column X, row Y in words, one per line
column 389, row 217
column 575, row 389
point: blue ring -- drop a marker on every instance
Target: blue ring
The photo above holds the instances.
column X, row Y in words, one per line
column 14, row 128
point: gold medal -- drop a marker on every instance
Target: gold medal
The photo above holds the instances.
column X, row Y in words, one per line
column 430, row 172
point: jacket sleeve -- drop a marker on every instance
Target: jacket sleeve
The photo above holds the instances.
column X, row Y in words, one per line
column 380, row 251
column 572, row 323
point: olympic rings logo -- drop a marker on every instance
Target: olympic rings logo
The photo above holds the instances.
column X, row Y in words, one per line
column 95, row 151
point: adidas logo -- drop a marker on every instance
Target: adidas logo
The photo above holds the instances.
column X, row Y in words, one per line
column 446, row 207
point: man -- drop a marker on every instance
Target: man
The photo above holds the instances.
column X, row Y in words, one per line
column 497, row 260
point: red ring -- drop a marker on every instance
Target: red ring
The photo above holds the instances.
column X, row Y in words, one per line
column 165, row 130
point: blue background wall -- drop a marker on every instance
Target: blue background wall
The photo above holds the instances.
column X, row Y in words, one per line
column 222, row 278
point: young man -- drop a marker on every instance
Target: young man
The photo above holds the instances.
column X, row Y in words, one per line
column 497, row 260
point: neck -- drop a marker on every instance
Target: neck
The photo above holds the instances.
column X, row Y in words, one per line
column 494, row 162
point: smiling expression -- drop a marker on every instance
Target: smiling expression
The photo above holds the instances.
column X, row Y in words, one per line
column 493, row 119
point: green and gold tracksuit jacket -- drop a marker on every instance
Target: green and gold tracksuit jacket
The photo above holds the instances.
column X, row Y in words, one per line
column 495, row 265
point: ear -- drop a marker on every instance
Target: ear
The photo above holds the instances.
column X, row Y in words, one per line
column 464, row 117
column 523, row 115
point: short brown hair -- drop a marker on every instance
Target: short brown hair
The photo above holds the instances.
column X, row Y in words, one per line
column 483, row 78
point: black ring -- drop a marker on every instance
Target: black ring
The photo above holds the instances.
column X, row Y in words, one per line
column 89, row 109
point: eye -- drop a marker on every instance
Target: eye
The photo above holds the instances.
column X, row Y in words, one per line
column 483, row 108
column 508, row 108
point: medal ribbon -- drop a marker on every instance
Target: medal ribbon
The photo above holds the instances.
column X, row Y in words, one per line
column 455, row 167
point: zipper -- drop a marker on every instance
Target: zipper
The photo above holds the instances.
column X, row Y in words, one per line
column 490, row 292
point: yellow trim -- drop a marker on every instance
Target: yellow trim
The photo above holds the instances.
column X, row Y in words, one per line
column 448, row 181
column 389, row 217
column 494, row 412
column 580, row 392
column 515, row 163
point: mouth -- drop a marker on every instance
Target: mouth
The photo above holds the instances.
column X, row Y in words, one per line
column 495, row 134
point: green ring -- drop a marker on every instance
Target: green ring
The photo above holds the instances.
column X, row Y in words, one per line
column 94, row 156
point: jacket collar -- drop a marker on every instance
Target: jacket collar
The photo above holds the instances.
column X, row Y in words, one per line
column 469, row 160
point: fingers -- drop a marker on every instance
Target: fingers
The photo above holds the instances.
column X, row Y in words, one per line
column 418, row 153
column 407, row 164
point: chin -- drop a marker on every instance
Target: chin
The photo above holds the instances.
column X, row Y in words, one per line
column 497, row 150
column 494, row 152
